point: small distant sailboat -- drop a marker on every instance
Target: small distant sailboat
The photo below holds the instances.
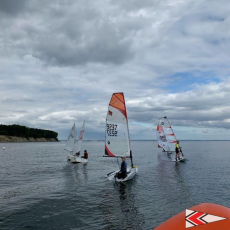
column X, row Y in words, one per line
column 117, row 140
column 73, row 146
column 165, row 136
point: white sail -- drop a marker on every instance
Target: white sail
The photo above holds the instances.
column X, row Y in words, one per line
column 80, row 138
column 117, row 142
column 69, row 146
column 165, row 135
column 159, row 133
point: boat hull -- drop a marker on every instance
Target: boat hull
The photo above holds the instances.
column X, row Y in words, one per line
column 131, row 174
column 75, row 159
column 69, row 157
column 178, row 222
column 183, row 159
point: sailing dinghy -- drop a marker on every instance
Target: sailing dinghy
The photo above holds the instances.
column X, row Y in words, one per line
column 73, row 146
column 117, row 140
column 165, row 136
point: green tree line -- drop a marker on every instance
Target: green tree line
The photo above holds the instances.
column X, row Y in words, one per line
column 23, row 131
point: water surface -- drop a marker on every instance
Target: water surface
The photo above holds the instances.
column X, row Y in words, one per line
column 39, row 189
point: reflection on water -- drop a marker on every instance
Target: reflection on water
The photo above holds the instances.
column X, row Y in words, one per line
column 85, row 173
column 174, row 189
column 119, row 207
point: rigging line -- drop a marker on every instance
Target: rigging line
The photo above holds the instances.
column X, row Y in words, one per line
column 118, row 164
column 171, row 128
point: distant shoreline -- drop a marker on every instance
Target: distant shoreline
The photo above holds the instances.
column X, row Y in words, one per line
column 14, row 139
column 153, row 140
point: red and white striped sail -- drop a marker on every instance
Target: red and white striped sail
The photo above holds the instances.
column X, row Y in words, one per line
column 117, row 142
column 165, row 135
column 160, row 136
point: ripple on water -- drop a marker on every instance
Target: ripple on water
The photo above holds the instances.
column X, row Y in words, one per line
column 41, row 190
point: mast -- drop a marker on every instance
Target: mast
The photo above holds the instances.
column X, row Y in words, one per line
column 170, row 127
column 131, row 155
column 75, row 137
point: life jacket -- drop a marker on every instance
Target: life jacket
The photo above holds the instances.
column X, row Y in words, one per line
column 123, row 167
column 86, row 155
column 177, row 146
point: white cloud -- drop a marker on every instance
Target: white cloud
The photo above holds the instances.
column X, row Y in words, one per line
column 61, row 61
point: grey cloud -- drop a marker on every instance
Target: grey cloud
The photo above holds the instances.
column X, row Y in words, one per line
column 69, row 34
column 12, row 7
column 102, row 45
column 68, row 57
column 205, row 106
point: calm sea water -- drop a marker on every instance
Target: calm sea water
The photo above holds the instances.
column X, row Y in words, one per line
column 39, row 189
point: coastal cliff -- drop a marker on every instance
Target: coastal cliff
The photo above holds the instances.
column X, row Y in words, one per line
column 4, row 138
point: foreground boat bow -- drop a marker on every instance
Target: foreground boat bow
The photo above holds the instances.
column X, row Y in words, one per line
column 205, row 216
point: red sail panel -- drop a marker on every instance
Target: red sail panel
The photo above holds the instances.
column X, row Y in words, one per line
column 173, row 142
column 107, row 152
column 118, row 101
column 160, row 128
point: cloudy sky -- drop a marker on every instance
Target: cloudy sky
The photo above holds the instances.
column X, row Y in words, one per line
column 61, row 60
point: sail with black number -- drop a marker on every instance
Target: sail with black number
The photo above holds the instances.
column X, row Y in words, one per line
column 165, row 135
column 117, row 142
column 80, row 138
column 69, row 146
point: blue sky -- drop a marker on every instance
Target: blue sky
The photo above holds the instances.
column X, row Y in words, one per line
column 62, row 60
column 189, row 80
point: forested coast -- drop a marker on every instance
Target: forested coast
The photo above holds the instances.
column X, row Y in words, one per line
column 19, row 133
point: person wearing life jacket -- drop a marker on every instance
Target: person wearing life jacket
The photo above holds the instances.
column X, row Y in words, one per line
column 86, row 155
column 178, row 150
column 123, row 172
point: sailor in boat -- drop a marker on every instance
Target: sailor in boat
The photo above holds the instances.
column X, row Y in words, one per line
column 123, row 172
column 178, row 150
column 86, row 155
column 78, row 154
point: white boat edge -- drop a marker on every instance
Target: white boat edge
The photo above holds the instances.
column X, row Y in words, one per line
column 75, row 159
column 131, row 174
column 183, row 159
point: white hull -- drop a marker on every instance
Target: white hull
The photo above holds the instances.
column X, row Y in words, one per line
column 130, row 175
column 69, row 157
column 183, row 159
column 169, row 152
column 75, row 159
